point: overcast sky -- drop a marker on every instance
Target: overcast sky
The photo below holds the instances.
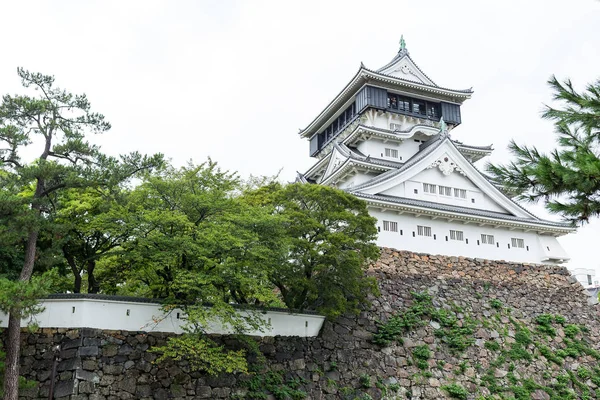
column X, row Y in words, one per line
column 236, row 80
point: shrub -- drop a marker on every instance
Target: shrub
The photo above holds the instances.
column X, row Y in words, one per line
column 496, row 304
column 456, row 391
column 492, row 345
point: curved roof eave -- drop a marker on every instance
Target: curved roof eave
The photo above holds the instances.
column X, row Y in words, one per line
column 458, row 212
column 364, row 74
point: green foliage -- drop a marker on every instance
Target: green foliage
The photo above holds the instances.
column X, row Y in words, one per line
column 544, row 324
column 567, row 178
column 365, row 381
column 458, row 336
column 492, row 345
column 412, row 318
column 202, row 354
column 571, row 330
column 23, row 295
column 550, row 355
column 456, row 391
column 559, row 319
column 329, row 237
column 273, row 382
column 420, row 355
column 496, row 304
column 584, row 373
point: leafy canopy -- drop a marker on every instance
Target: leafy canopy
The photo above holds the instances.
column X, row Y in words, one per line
column 328, row 240
column 567, row 178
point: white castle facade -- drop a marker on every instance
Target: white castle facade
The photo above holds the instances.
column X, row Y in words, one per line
column 387, row 138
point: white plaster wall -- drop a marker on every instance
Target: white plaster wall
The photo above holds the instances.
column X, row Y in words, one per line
column 376, row 148
column 356, row 180
column 131, row 316
column 454, row 180
column 472, row 232
column 581, row 274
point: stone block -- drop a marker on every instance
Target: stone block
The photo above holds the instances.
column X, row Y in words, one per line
column 87, row 387
column 71, row 344
column 89, row 376
column 204, row 392
column 69, row 364
column 88, row 351
column 65, row 388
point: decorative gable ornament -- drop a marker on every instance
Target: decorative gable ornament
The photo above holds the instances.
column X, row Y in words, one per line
column 447, row 166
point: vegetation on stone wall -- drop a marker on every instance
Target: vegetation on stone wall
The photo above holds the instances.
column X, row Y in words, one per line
column 524, row 332
column 513, row 344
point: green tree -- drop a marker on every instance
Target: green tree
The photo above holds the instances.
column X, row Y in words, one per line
column 567, row 178
column 56, row 121
column 200, row 247
column 92, row 223
column 329, row 240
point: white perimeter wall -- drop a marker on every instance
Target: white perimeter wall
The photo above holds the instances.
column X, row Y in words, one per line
column 131, row 316
column 441, row 228
column 582, row 276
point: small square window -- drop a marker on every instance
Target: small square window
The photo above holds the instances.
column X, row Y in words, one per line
column 416, row 191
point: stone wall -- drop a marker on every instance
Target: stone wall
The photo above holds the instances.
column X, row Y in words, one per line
column 496, row 300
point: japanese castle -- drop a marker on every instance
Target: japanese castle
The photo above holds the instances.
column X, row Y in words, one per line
column 388, row 138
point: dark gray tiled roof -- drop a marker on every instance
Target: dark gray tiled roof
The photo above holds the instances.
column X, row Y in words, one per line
column 456, row 209
column 468, row 146
column 465, row 91
column 357, row 155
column 401, row 54
column 424, row 150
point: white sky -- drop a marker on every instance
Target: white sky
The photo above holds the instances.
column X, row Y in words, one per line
column 235, row 80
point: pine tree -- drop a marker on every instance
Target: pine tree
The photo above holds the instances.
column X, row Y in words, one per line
column 567, row 178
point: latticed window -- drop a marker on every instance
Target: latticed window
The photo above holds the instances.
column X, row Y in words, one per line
column 460, row 193
column 487, row 239
column 423, row 230
column 516, row 242
column 390, row 226
column 429, row 188
column 445, row 190
column 456, row 235
column 392, row 153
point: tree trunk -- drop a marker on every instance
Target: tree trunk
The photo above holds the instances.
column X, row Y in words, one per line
column 11, row 372
column 93, row 285
column 13, row 342
column 71, row 261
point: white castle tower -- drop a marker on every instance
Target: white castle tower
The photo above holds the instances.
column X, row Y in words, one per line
column 386, row 139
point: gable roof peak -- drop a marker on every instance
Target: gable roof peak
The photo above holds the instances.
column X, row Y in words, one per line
column 402, row 66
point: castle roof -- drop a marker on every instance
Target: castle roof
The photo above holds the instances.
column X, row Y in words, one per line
column 401, row 74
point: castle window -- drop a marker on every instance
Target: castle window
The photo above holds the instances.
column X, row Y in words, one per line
column 516, row 242
column 392, row 101
column 392, row 153
column 419, row 107
column 445, row 190
column 589, row 279
column 428, row 188
column 390, row 226
column 432, row 111
column 423, row 230
column 487, row 239
column 461, row 193
column 456, row 235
